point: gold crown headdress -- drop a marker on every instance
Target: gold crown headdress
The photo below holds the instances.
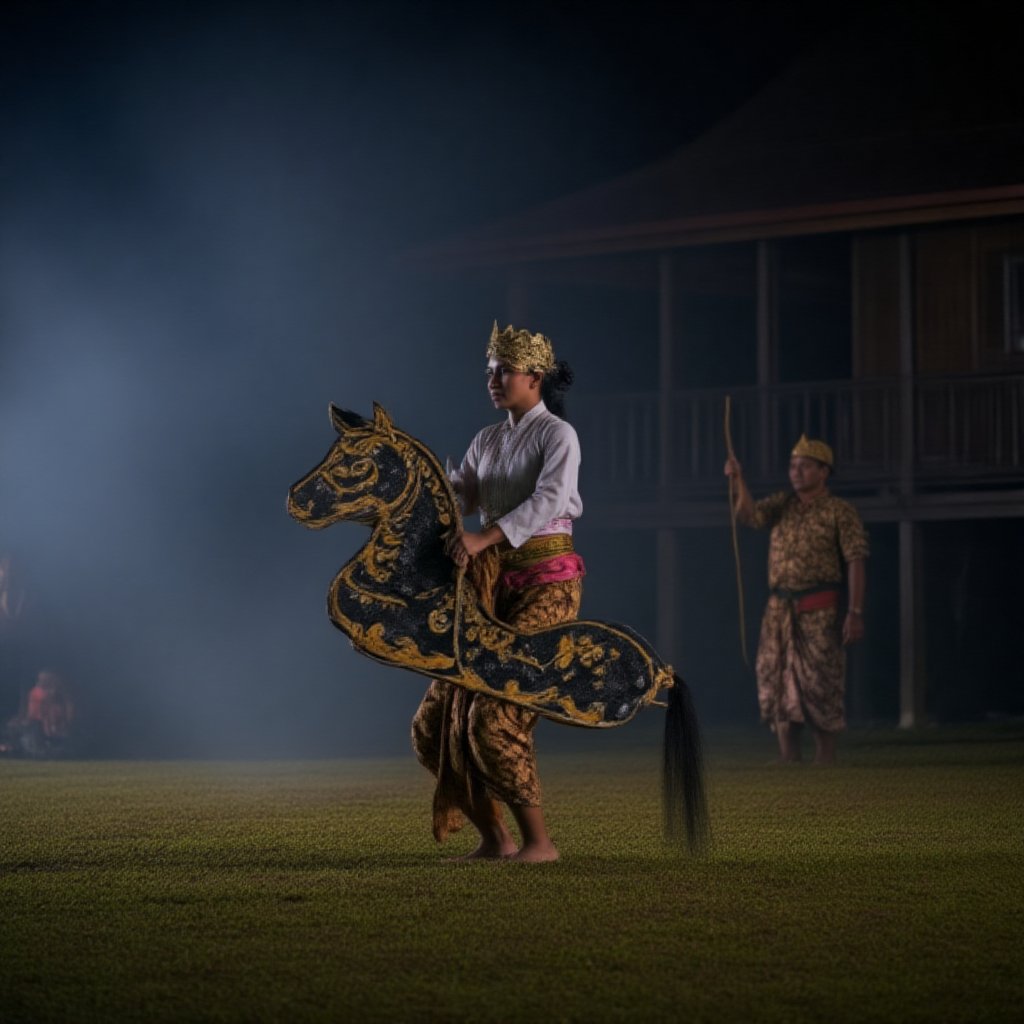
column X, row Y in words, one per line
column 521, row 350
column 805, row 448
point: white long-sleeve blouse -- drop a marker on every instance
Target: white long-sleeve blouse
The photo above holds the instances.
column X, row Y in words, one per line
column 523, row 475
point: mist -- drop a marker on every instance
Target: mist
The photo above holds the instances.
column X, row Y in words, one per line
column 206, row 220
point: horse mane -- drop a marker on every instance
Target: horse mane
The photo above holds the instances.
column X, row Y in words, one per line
column 345, row 421
column 433, row 465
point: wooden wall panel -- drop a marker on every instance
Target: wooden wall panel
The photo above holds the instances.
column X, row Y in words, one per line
column 994, row 243
column 944, row 310
column 876, row 305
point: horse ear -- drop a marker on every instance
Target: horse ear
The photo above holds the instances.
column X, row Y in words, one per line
column 382, row 421
column 344, row 420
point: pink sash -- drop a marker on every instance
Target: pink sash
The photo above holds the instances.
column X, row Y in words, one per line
column 551, row 570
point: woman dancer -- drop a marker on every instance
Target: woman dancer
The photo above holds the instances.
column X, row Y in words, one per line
column 521, row 475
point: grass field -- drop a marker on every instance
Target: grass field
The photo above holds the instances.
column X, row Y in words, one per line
column 890, row 888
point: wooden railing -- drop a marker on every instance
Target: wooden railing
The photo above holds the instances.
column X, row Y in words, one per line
column 966, row 429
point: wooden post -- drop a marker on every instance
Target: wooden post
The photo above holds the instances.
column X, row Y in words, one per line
column 767, row 352
column 666, row 537
column 912, row 676
column 906, row 414
column 911, row 647
column 665, row 329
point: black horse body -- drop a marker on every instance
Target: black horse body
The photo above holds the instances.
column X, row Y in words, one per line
column 401, row 601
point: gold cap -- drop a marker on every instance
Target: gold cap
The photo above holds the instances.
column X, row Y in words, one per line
column 521, row 350
column 805, row 448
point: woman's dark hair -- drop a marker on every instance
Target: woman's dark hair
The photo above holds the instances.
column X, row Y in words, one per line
column 554, row 385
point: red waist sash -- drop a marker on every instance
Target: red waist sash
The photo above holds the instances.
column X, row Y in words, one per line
column 810, row 600
column 813, row 602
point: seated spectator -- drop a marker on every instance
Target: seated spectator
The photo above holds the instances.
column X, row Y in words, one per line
column 44, row 728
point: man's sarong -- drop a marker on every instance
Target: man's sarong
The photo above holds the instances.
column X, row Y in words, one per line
column 801, row 666
column 476, row 746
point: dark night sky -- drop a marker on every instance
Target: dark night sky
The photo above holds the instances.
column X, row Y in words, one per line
column 203, row 210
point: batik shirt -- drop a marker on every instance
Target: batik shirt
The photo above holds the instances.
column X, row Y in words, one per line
column 810, row 542
column 522, row 476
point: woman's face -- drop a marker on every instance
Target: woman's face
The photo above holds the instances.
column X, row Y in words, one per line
column 512, row 389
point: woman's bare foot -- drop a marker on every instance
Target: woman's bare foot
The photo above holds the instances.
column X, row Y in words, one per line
column 490, row 849
column 536, row 853
column 537, row 846
column 496, row 841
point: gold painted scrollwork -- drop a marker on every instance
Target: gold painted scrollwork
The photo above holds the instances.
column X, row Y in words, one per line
column 440, row 620
column 586, row 652
column 403, row 651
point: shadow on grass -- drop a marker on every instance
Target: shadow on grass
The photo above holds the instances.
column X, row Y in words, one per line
column 976, row 735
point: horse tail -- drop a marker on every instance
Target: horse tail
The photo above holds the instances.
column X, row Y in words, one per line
column 682, row 787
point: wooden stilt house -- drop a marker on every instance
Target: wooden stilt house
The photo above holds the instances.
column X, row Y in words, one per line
column 843, row 256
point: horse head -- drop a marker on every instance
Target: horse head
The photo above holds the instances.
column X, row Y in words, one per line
column 364, row 476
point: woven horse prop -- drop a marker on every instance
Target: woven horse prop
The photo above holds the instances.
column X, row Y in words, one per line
column 401, row 601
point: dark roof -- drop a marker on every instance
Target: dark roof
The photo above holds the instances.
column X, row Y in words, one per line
column 868, row 130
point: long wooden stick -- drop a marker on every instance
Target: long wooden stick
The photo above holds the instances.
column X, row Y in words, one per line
column 733, row 488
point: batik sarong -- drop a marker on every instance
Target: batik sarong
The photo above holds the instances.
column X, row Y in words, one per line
column 479, row 747
column 801, row 666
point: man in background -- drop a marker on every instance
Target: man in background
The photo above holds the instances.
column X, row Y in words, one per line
column 801, row 664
